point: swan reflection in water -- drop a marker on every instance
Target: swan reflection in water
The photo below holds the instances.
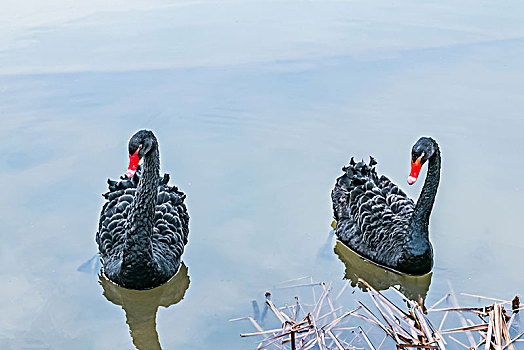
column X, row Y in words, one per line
column 413, row 287
column 141, row 306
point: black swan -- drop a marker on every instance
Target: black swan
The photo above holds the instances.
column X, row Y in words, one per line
column 379, row 221
column 143, row 226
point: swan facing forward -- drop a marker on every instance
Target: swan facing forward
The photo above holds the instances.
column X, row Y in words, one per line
column 379, row 221
column 143, row 226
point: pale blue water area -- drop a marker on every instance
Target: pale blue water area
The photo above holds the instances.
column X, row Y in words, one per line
column 257, row 105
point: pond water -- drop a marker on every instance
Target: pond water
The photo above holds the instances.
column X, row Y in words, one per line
column 257, row 105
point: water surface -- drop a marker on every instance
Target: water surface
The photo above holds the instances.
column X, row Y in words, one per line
column 256, row 105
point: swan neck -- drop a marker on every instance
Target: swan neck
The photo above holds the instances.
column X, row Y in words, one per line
column 138, row 248
column 420, row 218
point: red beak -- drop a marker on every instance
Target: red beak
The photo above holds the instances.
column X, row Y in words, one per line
column 133, row 164
column 415, row 170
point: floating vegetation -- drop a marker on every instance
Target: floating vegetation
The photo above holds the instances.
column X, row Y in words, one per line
column 304, row 326
column 324, row 325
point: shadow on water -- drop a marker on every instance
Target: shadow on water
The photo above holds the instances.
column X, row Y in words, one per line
column 91, row 266
column 414, row 287
column 141, row 306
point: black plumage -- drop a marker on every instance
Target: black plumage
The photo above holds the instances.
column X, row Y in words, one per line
column 144, row 223
column 379, row 221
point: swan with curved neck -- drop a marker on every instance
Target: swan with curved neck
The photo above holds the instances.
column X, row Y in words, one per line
column 379, row 221
column 144, row 223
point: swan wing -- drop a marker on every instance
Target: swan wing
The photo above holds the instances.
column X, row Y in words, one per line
column 113, row 220
column 382, row 212
column 371, row 211
column 171, row 228
column 397, row 200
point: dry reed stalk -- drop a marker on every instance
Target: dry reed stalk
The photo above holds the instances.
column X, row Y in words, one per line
column 495, row 331
column 432, row 307
column 333, row 323
column 411, row 329
column 332, row 312
column 513, row 341
column 489, row 334
column 402, row 316
column 478, row 327
column 423, row 334
column 342, row 290
column 442, row 321
column 366, row 338
column 459, row 342
column 335, row 340
column 308, row 332
column 461, row 317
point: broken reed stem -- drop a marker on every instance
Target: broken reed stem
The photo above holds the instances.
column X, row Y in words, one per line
column 478, row 327
column 432, row 307
column 459, row 342
column 366, row 339
column 419, row 346
column 514, row 340
column 393, row 306
column 335, row 340
column 501, row 301
column 342, row 290
column 333, row 323
column 461, row 318
column 281, row 316
column 442, row 322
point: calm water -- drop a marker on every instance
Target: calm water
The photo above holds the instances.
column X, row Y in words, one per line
column 257, row 105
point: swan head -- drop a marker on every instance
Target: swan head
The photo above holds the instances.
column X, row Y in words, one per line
column 140, row 144
column 422, row 150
